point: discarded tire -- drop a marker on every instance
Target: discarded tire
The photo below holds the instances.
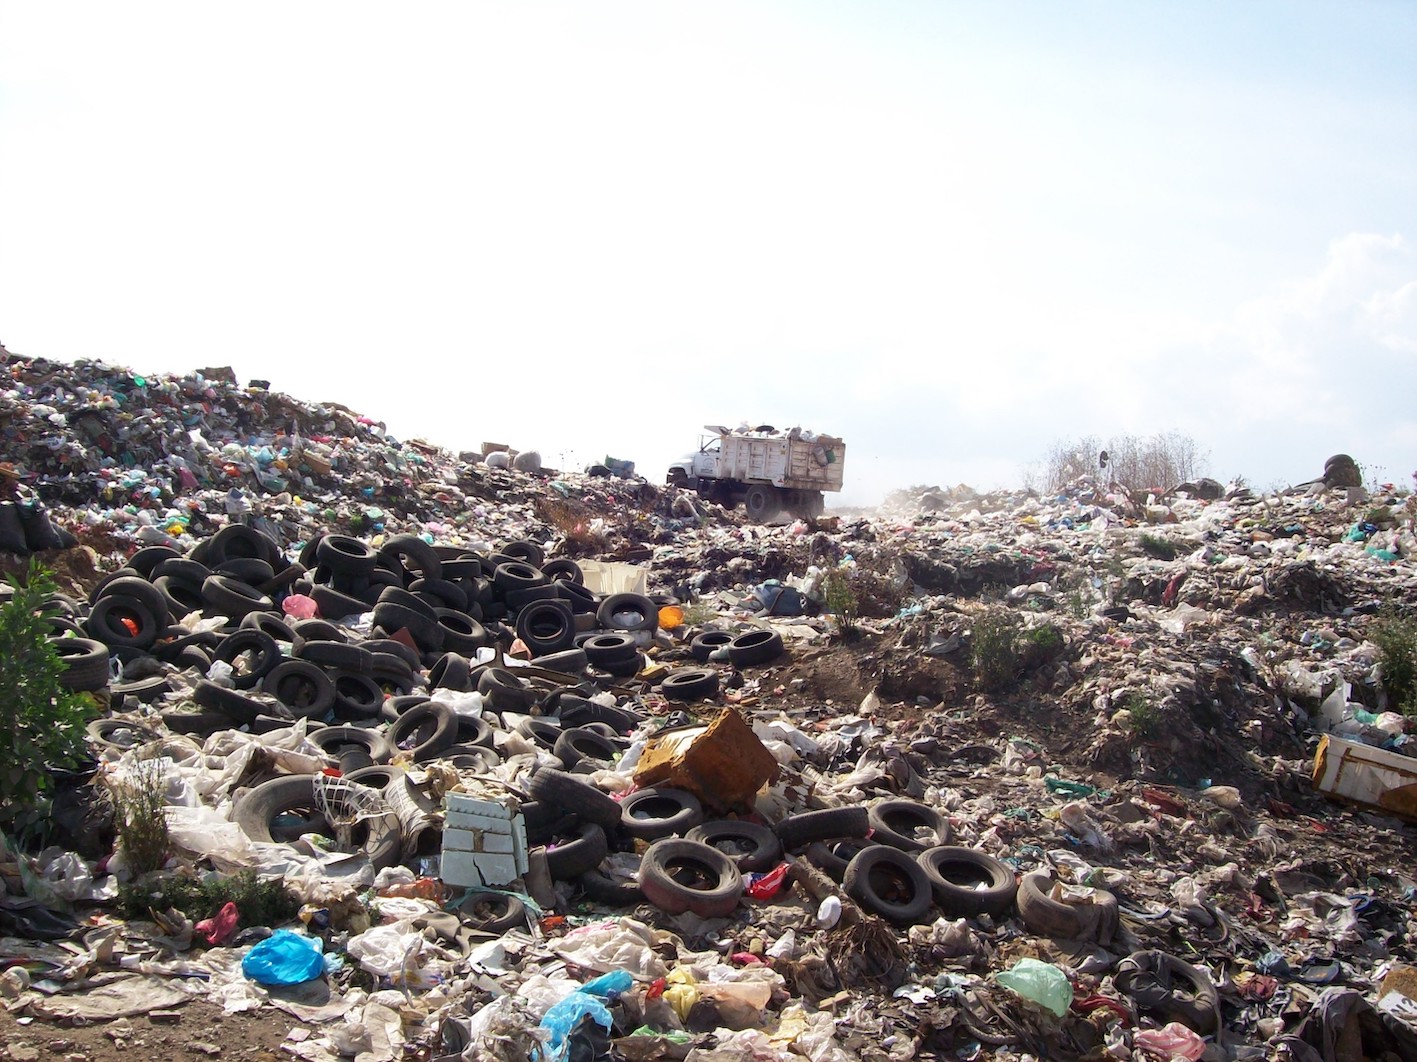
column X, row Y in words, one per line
column 704, row 646
column 121, row 734
column 833, row 857
column 600, row 887
column 492, row 912
column 628, row 612
column 754, row 647
column 829, row 824
column 231, row 597
column 966, row 882
column 282, row 809
column 252, row 654
column 1169, row 988
column 341, row 655
column 451, row 672
column 140, row 589
column 237, row 707
column 752, row 846
column 1048, row 917
column 570, row 859
column 85, row 663
column 409, row 552
column 302, row 687
column 602, row 649
column 504, row 691
column 898, row 822
column 567, row 793
column 344, row 553
column 652, row 814
column 578, row 744
column 678, row 875
column 122, row 622
column 335, row 739
column 425, row 730
column 690, row 684
column 890, row 883
column 357, row 696
column 546, row 626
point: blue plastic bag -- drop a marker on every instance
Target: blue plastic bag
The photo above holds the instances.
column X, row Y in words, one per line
column 565, row 1016
column 284, row 958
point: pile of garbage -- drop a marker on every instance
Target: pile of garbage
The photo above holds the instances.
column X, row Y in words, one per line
column 476, row 762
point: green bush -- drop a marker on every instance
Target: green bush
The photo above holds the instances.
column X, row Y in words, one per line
column 841, row 599
column 139, row 815
column 1396, row 639
column 1160, row 548
column 261, row 902
column 1145, row 720
column 1036, row 646
column 42, row 723
column 992, row 652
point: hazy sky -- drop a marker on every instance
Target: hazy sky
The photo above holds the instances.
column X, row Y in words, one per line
column 951, row 233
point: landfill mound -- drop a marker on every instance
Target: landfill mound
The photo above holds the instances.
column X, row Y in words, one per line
column 487, row 759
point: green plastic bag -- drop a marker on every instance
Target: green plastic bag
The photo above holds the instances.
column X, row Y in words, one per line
column 1041, row 982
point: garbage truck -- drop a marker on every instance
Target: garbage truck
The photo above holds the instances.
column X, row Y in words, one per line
column 765, row 470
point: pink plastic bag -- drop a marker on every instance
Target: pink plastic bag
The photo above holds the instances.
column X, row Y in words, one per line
column 1171, row 1041
column 300, row 606
column 219, row 928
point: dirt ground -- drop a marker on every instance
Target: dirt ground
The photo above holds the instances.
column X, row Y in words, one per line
column 200, row 1031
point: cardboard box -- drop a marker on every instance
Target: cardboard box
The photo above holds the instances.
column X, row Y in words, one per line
column 723, row 764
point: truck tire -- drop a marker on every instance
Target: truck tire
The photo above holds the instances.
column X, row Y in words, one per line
column 761, row 502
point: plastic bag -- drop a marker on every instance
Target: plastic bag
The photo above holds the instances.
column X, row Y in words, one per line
column 766, row 886
column 564, row 1017
column 1171, row 1041
column 1041, row 982
column 284, row 958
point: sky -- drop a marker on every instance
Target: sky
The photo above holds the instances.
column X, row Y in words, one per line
column 952, row 234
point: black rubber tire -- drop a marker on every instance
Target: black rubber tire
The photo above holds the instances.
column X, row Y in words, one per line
column 515, row 575
column 570, row 662
column 955, row 874
column 335, row 605
column 628, row 668
column 1047, row 917
column 491, row 912
column 461, row 632
column 613, row 648
column 239, row 541
column 380, row 776
column 303, row 688
column 795, row 831
column 761, row 503
column 343, row 553
column 703, row 646
column 102, row 732
column 451, row 672
column 577, row 744
column 582, row 601
column 334, row 738
column 237, row 707
column 752, row 846
column 574, row 710
column 655, row 813
column 678, row 875
column 231, row 597
column 754, row 647
column 357, row 696
column 253, row 813
column 505, row 692
column 410, row 553
column 1150, row 979
column 546, row 627
column 406, row 653
column 251, row 570
column 440, row 593
column 342, row 655
column 568, row 861
column 542, row 732
column 567, row 793
column 139, row 589
column 318, row 630
column 690, row 684
column 893, row 822
column 149, row 557
column 283, row 576
column 266, row 655
column 423, row 629
column 516, row 600
column 473, row 730
column 563, row 570
column 143, row 690
column 183, row 596
column 106, row 624
column 889, row 883
column 599, row 887
column 184, row 568
column 273, row 623
column 833, row 857
column 524, row 550
column 192, row 656
column 85, row 663
column 425, row 730
column 639, row 613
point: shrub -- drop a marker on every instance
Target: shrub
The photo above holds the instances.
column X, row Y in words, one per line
column 1144, row 720
column 41, row 722
column 1396, row 639
column 261, row 902
column 841, row 599
column 1036, row 646
column 139, row 815
column 992, row 653
column 1160, row 548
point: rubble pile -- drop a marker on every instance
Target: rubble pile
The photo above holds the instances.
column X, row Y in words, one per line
column 465, row 761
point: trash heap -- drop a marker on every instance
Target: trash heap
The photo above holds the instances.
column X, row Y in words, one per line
column 460, row 761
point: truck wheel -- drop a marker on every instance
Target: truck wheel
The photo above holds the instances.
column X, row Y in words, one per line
column 761, row 502
column 677, row 479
